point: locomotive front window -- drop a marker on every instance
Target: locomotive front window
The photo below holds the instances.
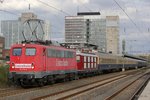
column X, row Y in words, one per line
column 30, row 51
column 17, row 51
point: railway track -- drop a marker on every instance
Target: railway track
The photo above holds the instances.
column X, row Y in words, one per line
column 81, row 89
column 130, row 91
column 78, row 90
column 11, row 91
column 44, row 92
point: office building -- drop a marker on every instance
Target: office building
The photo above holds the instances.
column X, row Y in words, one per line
column 92, row 28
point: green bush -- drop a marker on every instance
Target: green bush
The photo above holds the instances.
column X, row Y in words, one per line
column 3, row 75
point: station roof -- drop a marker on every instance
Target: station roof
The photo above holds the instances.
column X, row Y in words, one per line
column 134, row 57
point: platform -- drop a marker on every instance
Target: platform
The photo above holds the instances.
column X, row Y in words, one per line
column 145, row 95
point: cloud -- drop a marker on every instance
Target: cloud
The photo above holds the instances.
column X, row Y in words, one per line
column 131, row 10
column 15, row 4
column 146, row 20
column 80, row 1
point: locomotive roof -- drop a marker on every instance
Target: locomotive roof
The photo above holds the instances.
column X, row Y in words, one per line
column 40, row 45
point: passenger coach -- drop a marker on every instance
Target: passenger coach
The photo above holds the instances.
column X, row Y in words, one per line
column 86, row 64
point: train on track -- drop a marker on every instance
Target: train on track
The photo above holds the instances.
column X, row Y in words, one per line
column 37, row 63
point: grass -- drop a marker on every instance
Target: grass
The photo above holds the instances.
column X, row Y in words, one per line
column 3, row 75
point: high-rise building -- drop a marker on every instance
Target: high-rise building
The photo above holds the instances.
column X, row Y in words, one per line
column 12, row 29
column 92, row 28
column 26, row 16
column 12, row 32
column 112, row 34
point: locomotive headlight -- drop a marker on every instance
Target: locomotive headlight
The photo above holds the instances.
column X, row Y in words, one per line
column 32, row 66
column 23, row 45
column 13, row 66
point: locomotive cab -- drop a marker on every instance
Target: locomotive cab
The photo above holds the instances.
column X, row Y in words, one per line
column 26, row 63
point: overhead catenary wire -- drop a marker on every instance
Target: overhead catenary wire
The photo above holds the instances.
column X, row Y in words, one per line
column 128, row 16
column 60, row 10
column 9, row 12
column 56, row 16
column 43, row 16
column 139, row 30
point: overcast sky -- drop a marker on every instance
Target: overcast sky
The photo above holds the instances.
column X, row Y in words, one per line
column 136, row 33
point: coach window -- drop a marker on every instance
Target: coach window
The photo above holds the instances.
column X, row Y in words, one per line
column 84, row 65
column 17, row 51
column 92, row 59
column 88, row 65
column 30, row 51
column 78, row 58
column 91, row 65
column 84, row 58
column 88, row 59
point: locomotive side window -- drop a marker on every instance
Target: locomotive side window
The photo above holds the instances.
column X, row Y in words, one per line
column 60, row 53
column 57, row 53
column 17, row 51
column 65, row 54
column 49, row 52
column 68, row 54
column 53, row 53
column 30, row 51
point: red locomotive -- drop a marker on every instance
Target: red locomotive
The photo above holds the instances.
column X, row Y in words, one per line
column 32, row 63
